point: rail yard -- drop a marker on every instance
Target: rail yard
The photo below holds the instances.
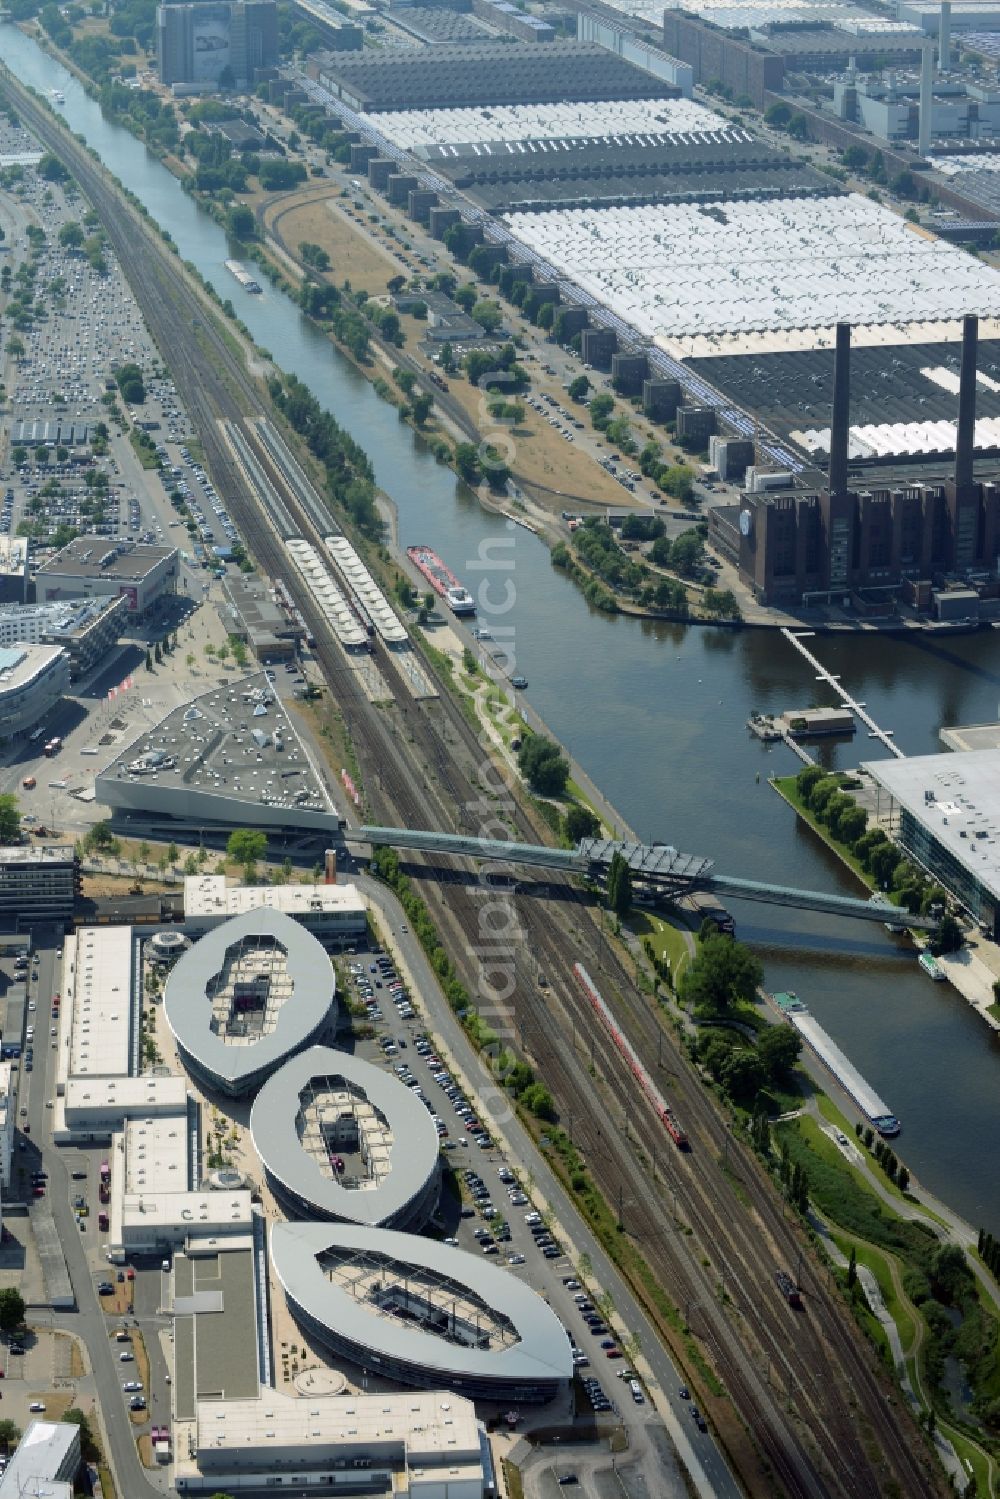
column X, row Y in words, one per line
column 814, row 1414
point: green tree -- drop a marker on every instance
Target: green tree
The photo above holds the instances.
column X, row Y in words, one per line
column 543, row 766
column 467, row 462
column 578, row 388
column 89, row 1449
column 51, row 168
column 10, row 819
column 12, row 1308
column 246, row 845
column 949, row 936
column 10, row 1435
column 466, row 297
column 420, row 407
column 852, row 1268
column 601, row 408
column 778, row 1048
column 722, row 973
column 619, row 886
column 240, row 221
column 488, row 315
column 581, row 822
column 71, row 236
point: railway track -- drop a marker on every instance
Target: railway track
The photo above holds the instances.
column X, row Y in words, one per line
column 830, row 1428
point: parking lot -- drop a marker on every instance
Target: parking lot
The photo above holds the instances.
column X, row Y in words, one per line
column 486, row 1205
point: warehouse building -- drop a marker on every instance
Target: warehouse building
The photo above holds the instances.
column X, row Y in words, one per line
column 39, row 882
column 225, row 759
column 33, row 679
column 421, row 1313
column 944, row 811
column 93, row 566
column 341, row 1140
column 483, row 74
column 249, row 995
column 561, row 121
column 684, row 165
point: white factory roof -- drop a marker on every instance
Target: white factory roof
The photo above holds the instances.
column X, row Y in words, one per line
column 753, row 14
column 678, row 269
column 532, row 122
column 900, row 439
column 211, row 895
column 432, row 1425
column 956, row 798
column 974, row 161
column 99, row 993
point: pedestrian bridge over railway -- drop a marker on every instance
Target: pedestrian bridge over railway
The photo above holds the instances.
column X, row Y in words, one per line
column 656, row 869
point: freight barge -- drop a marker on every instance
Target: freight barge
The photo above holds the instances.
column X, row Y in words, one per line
column 442, row 580
column 830, row 1054
column 243, row 276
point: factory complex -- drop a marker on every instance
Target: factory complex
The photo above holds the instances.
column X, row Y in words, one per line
column 709, row 271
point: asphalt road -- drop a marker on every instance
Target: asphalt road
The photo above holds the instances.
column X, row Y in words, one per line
column 700, row 1454
column 88, row 1321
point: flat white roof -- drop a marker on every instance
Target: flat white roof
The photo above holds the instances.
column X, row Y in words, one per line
column 532, row 122
column 956, row 797
column 125, row 1095
column 99, row 991
column 433, row 1426
column 212, row 895
column 673, row 270
column 195, row 1212
column 156, row 1154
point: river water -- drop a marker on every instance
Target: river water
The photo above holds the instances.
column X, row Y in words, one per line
column 656, row 714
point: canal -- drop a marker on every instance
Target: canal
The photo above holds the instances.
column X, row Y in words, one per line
column 656, row 713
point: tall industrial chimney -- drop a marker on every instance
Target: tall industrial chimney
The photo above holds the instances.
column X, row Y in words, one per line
column 926, row 100
column 330, row 867
column 944, row 37
column 965, row 438
column 840, row 423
